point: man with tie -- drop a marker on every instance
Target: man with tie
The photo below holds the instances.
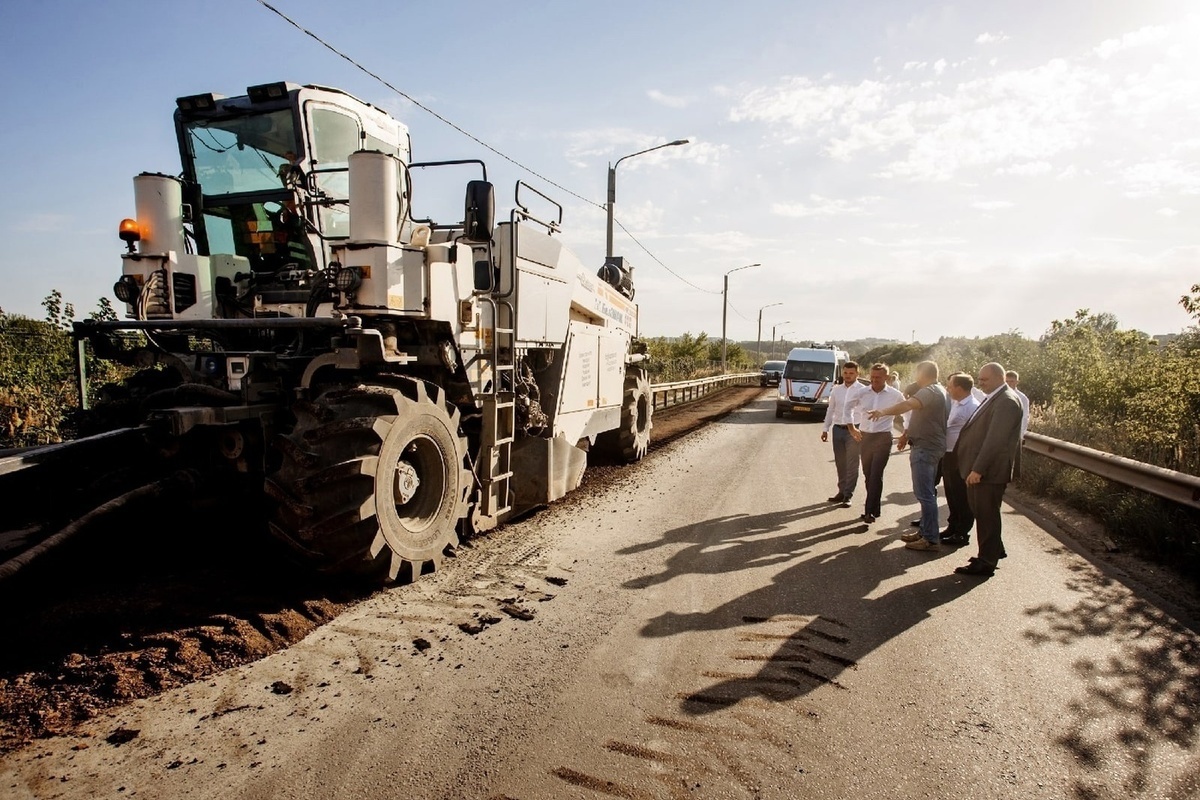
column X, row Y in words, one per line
column 986, row 451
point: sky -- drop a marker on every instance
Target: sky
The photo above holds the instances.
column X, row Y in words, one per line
column 902, row 170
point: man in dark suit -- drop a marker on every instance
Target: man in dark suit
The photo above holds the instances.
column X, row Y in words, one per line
column 986, row 451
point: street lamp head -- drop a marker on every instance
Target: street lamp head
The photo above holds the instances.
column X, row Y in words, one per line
column 612, row 188
column 747, row 266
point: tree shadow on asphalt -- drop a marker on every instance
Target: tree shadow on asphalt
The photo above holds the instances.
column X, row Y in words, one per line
column 1144, row 697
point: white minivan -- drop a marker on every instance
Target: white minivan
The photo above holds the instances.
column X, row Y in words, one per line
column 808, row 377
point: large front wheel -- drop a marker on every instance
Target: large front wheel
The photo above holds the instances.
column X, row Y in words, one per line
column 373, row 479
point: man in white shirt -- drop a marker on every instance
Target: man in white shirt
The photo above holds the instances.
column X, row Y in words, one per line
column 839, row 418
column 874, row 436
column 1013, row 379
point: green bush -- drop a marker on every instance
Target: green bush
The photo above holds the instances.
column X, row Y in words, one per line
column 38, row 395
column 688, row 357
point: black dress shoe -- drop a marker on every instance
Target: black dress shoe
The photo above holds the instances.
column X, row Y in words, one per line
column 837, row 498
column 956, row 540
column 845, row 503
column 977, row 568
column 916, row 523
column 867, row 518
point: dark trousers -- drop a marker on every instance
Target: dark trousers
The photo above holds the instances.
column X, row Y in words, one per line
column 961, row 518
column 984, row 499
column 876, row 449
column 845, row 460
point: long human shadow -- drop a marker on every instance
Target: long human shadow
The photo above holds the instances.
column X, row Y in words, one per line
column 820, row 616
column 1142, row 699
column 738, row 542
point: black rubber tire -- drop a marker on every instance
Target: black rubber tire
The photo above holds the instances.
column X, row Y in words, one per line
column 631, row 441
column 778, row 413
column 372, row 480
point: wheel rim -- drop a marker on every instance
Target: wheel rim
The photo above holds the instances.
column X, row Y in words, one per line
column 643, row 412
column 418, row 484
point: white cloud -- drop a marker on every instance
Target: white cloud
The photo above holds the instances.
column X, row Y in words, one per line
column 802, row 104
column 668, row 100
column 1027, row 168
column 822, row 207
column 584, row 147
column 991, row 38
column 1003, row 120
column 939, row 66
column 1152, row 34
column 639, row 218
column 1167, row 212
column 992, row 205
column 1152, row 178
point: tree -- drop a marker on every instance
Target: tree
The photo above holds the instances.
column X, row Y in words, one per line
column 1191, row 302
column 57, row 314
column 104, row 311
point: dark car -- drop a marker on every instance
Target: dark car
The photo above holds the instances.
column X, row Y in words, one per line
column 771, row 372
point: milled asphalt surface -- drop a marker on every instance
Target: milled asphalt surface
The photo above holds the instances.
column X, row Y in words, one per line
column 705, row 625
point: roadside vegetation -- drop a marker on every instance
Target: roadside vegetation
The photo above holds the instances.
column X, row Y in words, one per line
column 687, row 357
column 1088, row 381
column 38, row 401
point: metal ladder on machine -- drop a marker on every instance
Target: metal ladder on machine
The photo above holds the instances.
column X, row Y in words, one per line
column 499, row 412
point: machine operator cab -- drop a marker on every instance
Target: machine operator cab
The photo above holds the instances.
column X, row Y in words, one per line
column 266, row 176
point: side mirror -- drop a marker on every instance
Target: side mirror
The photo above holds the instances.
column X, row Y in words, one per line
column 480, row 211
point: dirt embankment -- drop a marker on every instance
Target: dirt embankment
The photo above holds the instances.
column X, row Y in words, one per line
column 149, row 601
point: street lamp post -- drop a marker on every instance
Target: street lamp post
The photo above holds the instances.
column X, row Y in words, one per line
column 758, row 345
column 725, row 312
column 612, row 187
column 773, row 327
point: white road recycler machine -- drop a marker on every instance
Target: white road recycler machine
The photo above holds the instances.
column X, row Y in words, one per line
column 385, row 383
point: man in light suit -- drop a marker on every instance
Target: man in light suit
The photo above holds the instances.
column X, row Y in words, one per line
column 985, row 452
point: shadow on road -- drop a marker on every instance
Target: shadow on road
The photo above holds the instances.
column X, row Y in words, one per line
column 822, row 627
column 1141, row 700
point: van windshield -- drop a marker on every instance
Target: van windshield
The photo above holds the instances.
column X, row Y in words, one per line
column 809, row 371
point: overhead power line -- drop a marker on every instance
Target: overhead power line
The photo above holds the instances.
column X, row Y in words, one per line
column 660, row 263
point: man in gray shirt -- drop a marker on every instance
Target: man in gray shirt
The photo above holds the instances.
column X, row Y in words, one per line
column 926, row 432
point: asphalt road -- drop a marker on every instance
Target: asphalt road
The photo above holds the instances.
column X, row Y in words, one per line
column 703, row 625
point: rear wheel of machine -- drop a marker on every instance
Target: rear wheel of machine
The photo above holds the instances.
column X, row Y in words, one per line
column 632, row 439
column 372, row 480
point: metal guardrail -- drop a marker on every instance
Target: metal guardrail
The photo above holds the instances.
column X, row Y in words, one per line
column 665, row 395
column 1175, row 486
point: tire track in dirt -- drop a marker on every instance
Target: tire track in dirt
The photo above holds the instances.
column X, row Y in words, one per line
column 723, row 753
